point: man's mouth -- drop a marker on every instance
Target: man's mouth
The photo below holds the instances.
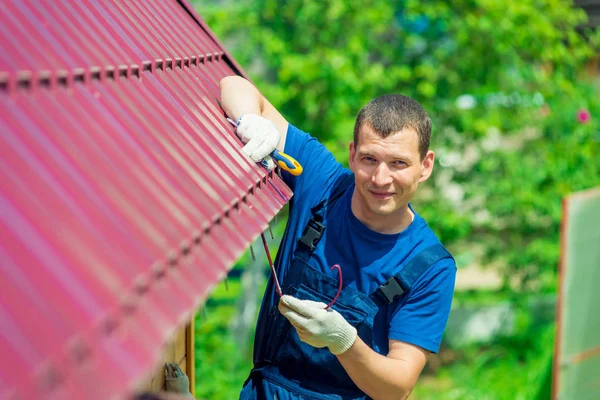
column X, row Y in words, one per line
column 381, row 195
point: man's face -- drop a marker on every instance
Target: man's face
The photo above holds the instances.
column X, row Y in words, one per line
column 387, row 173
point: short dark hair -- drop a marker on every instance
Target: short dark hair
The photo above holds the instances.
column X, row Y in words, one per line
column 391, row 113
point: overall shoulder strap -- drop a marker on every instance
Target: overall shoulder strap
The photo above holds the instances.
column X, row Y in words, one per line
column 402, row 283
column 339, row 187
column 315, row 227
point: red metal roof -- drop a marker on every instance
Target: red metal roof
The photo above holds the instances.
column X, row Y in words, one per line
column 125, row 196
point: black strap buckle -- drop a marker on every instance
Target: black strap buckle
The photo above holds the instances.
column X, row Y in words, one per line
column 391, row 289
column 312, row 234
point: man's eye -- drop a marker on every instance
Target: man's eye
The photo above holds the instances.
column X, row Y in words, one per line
column 399, row 163
column 369, row 159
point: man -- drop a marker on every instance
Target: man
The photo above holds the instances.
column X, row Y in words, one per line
column 398, row 280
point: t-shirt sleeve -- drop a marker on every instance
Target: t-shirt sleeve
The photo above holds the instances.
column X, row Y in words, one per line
column 319, row 166
column 422, row 319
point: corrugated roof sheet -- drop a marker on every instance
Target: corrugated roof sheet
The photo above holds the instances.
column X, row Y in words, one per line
column 125, row 196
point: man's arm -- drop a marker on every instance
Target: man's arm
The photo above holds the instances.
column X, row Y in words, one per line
column 240, row 97
column 381, row 377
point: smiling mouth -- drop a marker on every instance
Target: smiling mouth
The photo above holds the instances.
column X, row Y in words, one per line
column 381, row 195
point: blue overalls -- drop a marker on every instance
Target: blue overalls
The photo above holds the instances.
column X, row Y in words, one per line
column 287, row 368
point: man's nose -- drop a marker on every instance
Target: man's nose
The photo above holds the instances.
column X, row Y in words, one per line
column 382, row 175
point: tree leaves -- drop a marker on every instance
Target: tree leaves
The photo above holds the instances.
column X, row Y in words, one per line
column 502, row 82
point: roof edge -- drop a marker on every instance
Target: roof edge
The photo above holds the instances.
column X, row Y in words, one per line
column 227, row 57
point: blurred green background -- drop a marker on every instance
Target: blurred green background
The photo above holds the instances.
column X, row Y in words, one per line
column 513, row 91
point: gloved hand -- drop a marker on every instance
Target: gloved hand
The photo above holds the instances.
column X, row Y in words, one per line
column 317, row 326
column 175, row 380
column 259, row 134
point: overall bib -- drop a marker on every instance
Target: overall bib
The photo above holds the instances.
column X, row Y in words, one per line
column 292, row 369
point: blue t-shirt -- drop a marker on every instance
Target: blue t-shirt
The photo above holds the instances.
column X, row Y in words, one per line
column 367, row 258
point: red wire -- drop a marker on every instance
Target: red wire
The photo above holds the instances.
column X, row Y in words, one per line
column 277, row 287
column 339, row 286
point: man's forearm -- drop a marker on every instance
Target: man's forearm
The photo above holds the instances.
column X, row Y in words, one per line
column 378, row 376
column 239, row 97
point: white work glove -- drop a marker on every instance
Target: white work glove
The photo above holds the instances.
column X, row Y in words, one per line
column 317, row 326
column 175, row 379
column 259, row 134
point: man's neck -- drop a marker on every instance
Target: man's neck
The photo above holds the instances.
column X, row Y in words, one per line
column 388, row 224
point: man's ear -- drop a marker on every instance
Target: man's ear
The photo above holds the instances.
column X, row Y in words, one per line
column 352, row 152
column 427, row 166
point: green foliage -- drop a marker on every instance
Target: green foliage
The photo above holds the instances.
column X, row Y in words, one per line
column 501, row 80
column 514, row 368
column 221, row 365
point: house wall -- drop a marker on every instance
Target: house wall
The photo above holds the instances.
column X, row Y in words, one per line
column 179, row 349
